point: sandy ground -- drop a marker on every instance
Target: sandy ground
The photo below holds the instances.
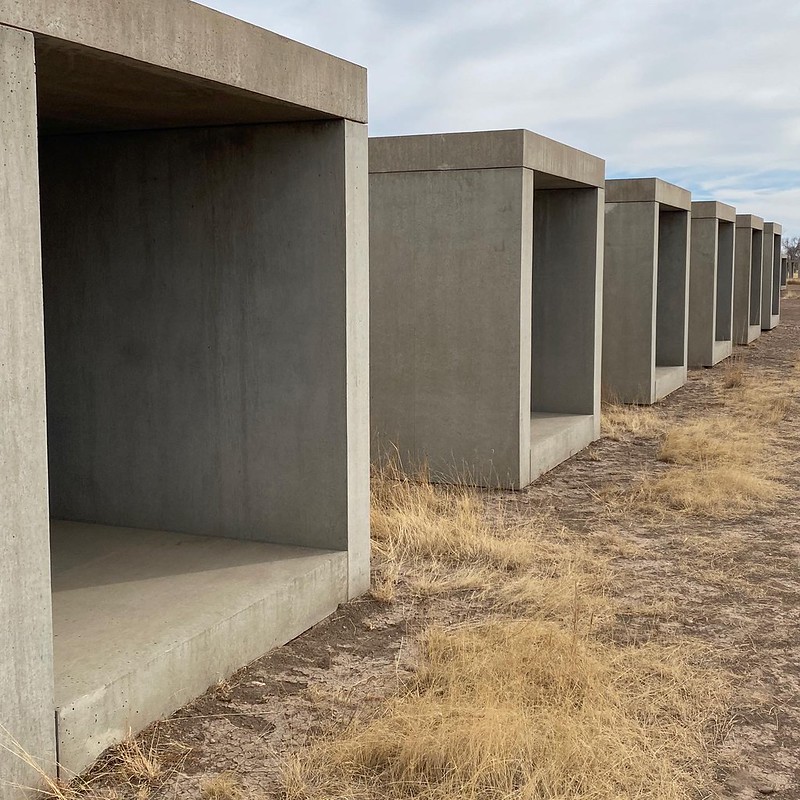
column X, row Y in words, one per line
column 742, row 600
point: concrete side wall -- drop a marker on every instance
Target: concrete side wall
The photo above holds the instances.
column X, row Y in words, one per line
column 450, row 374
column 197, row 331
column 703, row 291
column 756, row 277
column 629, row 301
column 567, row 280
column 357, row 270
column 26, row 655
column 672, row 293
column 725, row 272
column 775, row 288
column 742, row 284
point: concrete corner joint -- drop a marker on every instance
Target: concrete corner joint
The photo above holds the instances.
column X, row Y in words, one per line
column 486, row 257
column 195, row 477
column 747, row 284
column 771, row 277
column 646, row 289
column 711, row 283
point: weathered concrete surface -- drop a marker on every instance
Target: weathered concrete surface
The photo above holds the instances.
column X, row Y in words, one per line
column 711, row 283
column 206, row 290
column 557, row 165
column 198, row 368
column 747, row 280
column 771, row 277
column 648, row 190
column 144, row 621
column 646, row 289
column 485, row 302
column 105, row 62
column 26, row 670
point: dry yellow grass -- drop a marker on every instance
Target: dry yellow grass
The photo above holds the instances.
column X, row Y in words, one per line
column 531, row 701
column 446, row 539
column 619, row 421
column 521, row 709
column 221, row 787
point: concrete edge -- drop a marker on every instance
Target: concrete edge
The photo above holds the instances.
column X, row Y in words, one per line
column 189, row 38
column 485, row 150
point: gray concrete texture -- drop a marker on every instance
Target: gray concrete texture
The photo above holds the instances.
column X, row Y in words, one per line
column 486, row 268
column 771, row 277
column 204, row 289
column 711, row 283
column 747, row 279
column 26, row 661
column 645, row 290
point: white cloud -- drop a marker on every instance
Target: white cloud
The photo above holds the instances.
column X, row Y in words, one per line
column 705, row 90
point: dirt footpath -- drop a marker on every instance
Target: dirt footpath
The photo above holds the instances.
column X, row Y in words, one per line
column 732, row 582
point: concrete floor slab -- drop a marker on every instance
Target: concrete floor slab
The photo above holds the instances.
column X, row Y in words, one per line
column 557, row 437
column 722, row 350
column 146, row 620
column 667, row 380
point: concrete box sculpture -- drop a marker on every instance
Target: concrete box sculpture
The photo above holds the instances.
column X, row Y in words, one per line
column 784, row 271
column 711, row 283
column 771, row 277
column 486, row 266
column 747, row 281
column 646, row 289
column 202, row 331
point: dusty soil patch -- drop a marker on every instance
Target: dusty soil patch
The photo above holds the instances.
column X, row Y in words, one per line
column 732, row 582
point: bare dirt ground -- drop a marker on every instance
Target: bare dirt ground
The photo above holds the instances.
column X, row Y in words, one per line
column 732, row 583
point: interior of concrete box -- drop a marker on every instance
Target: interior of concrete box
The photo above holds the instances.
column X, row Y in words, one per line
column 671, row 300
column 755, row 277
column 724, row 296
column 563, row 336
column 145, row 616
column 776, row 274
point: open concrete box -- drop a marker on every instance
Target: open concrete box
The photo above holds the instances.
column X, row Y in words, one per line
column 646, row 289
column 748, row 280
column 201, row 272
column 711, row 283
column 486, row 271
column 771, row 277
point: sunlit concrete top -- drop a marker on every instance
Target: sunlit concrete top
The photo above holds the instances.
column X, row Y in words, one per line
column 775, row 228
column 554, row 163
column 117, row 65
column 749, row 221
column 711, row 209
column 648, row 190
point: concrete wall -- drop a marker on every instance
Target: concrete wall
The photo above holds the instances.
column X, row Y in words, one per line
column 629, row 300
column 771, row 277
column 747, row 281
column 451, row 277
column 725, row 270
column 206, row 332
column 756, row 277
column 672, row 288
column 711, row 291
column 26, row 678
column 567, row 300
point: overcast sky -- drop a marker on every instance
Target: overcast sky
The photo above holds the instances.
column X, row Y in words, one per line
column 703, row 93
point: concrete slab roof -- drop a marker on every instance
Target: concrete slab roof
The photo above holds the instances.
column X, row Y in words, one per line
column 749, row 221
column 556, row 165
column 648, row 190
column 775, row 228
column 711, row 209
column 105, row 65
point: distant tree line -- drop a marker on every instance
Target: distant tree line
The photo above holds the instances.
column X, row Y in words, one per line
column 791, row 247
